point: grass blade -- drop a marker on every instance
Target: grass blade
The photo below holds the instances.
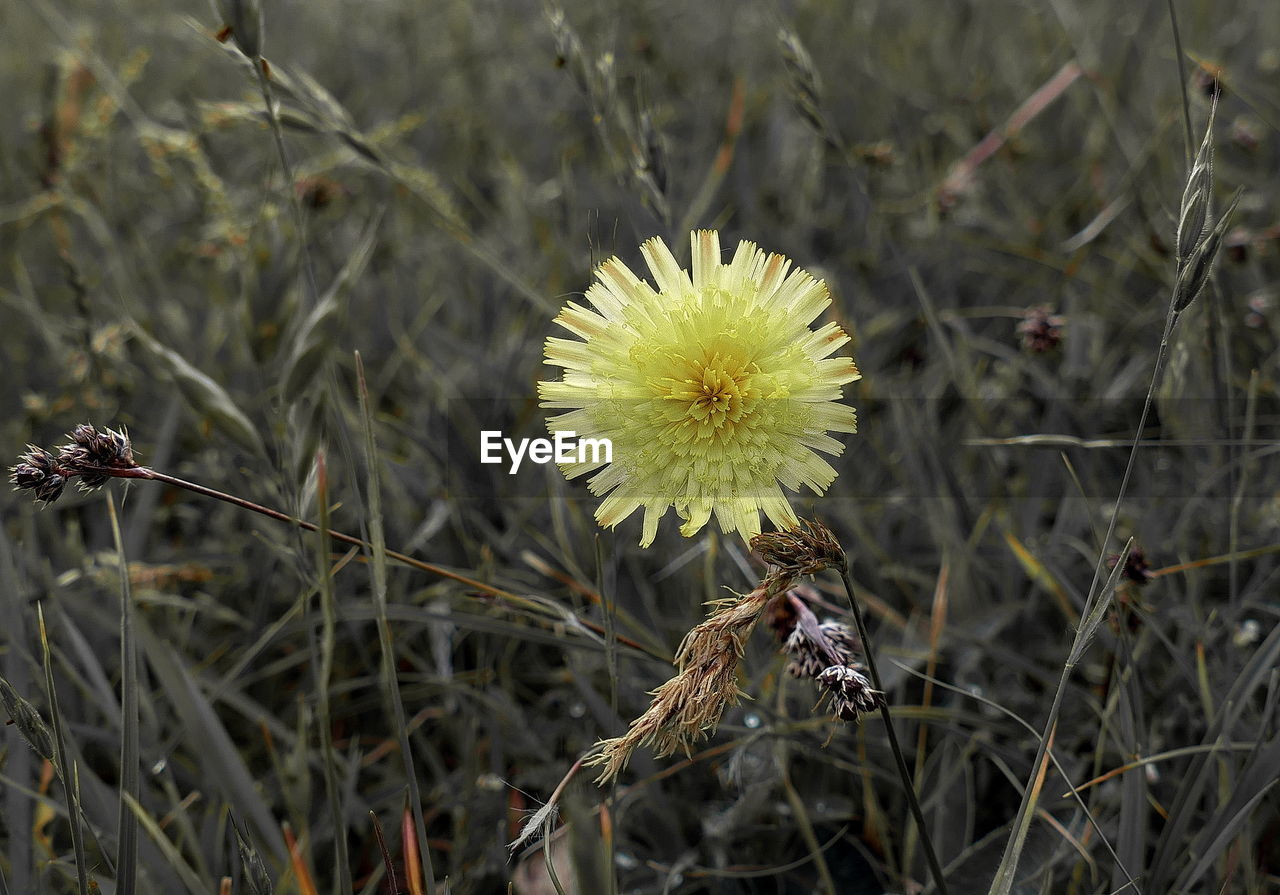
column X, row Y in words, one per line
column 127, row 849
column 171, row 852
column 324, row 675
column 207, row 737
column 387, row 669
column 1006, row 873
column 60, row 752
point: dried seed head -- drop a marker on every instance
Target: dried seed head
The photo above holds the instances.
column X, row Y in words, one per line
column 851, row 693
column 38, row 472
column 255, row 872
column 1194, row 211
column 569, row 50
column 1041, row 329
column 806, row 549
column 90, row 450
column 1197, row 242
column 834, row 644
column 802, row 78
column 649, row 163
column 652, row 153
column 826, row 654
column 688, row 707
column 1194, row 272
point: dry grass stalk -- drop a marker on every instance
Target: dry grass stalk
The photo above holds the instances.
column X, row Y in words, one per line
column 688, row 707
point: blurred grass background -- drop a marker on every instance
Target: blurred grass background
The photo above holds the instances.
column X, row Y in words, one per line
column 460, row 168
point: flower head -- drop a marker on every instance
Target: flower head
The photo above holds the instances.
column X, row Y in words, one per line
column 711, row 387
column 90, row 456
column 806, row 549
column 1041, row 329
column 852, row 695
column 38, row 472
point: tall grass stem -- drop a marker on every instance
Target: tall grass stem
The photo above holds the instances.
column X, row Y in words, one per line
column 935, row 868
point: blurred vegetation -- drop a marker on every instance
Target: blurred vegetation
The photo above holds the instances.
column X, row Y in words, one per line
column 459, row 169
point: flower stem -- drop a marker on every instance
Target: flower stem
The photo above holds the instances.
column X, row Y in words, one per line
column 935, row 868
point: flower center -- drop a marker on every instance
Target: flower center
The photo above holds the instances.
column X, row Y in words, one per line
column 716, row 391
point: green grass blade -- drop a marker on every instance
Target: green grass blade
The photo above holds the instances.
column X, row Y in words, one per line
column 207, row 737
column 19, row 764
column 324, row 675
column 387, row 669
column 1006, row 873
column 127, row 848
column 171, row 853
column 1223, row 834
column 60, row 752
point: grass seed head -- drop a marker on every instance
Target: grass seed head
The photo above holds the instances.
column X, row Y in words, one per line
column 1041, row 329
column 806, row 549
column 688, row 707
column 38, row 472
column 28, row 721
column 90, row 451
column 852, row 695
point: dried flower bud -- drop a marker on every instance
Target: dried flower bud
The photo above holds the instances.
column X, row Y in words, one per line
column 851, row 693
column 38, row 472
column 1136, row 567
column 804, row 550
column 1041, row 329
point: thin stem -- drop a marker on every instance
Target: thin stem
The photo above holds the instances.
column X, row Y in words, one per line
column 1161, row 357
column 143, row 472
column 277, row 133
column 1182, row 82
column 935, row 868
column 1051, row 720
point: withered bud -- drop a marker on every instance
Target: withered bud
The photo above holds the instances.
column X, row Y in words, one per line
column 38, row 472
column 851, row 693
column 1136, row 566
column 804, row 550
column 1041, row 329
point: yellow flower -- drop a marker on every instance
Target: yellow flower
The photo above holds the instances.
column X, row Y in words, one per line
column 712, row 388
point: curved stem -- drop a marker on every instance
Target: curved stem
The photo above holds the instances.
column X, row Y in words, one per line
column 143, row 472
column 935, row 868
